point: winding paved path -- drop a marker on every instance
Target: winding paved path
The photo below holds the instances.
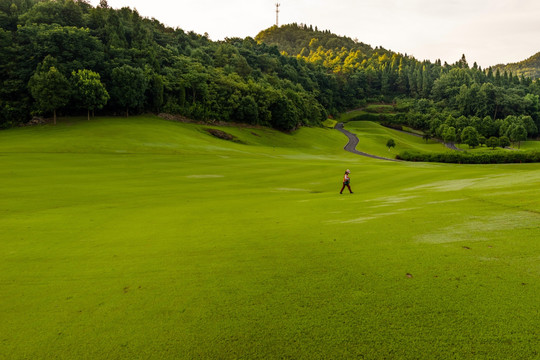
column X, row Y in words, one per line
column 353, row 141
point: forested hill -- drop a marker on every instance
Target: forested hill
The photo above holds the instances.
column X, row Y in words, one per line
column 295, row 39
column 69, row 57
column 529, row 67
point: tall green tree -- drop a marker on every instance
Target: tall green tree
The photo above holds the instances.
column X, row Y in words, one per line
column 530, row 126
column 49, row 87
column 518, row 133
column 427, row 135
column 128, row 87
column 469, row 136
column 64, row 13
column 492, row 142
column 247, row 110
column 504, row 141
column 89, row 91
column 284, row 115
column 154, row 91
column 449, row 134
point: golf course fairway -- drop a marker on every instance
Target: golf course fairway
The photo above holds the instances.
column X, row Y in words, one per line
column 140, row 238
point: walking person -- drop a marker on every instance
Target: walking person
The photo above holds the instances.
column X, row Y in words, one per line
column 346, row 181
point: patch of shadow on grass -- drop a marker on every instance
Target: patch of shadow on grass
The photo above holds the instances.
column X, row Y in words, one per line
column 477, row 228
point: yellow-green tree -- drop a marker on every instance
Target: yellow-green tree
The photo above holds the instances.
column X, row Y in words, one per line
column 89, row 91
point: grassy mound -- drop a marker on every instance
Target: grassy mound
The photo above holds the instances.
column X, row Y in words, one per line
column 153, row 135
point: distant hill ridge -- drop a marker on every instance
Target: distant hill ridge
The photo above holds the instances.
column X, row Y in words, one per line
column 294, row 38
column 528, row 68
column 298, row 39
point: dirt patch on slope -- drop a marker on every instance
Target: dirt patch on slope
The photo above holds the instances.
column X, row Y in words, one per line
column 220, row 134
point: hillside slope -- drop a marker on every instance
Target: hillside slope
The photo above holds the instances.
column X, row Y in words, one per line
column 294, row 38
column 149, row 134
column 528, row 68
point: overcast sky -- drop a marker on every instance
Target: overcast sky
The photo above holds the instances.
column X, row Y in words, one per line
column 488, row 32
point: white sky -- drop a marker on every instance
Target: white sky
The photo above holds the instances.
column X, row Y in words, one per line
column 489, row 32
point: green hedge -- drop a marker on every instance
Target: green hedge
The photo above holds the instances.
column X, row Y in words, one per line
column 365, row 116
column 380, row 109
column 392, row 125
column 495, row 157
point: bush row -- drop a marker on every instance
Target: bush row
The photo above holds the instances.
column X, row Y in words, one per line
column 392, row 125
column 365, row 116
column 494, row 157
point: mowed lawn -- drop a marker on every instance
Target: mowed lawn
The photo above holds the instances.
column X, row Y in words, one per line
column 373, row 138
column 141, row 238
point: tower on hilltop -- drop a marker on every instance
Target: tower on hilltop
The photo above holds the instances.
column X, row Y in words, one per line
column 277, row 13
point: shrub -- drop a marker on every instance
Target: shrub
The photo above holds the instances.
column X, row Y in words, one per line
column 365, row 116
column 392, row 125
column 492, row 142
column 496, row 157
column 504, row 141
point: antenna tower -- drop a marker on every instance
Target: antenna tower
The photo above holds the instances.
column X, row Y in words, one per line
column 277, row 13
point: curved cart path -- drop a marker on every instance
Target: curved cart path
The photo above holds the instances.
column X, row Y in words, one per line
column 353, row 141
column 452, row 146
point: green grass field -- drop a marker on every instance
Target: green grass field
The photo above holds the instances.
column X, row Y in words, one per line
column 530, row 145
column 373, row 137
column 141, row 238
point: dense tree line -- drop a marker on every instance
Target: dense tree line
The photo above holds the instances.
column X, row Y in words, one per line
column 68, row 56
column 444, row 100
column 529, row 67
column 65, row 55
column 470, row 106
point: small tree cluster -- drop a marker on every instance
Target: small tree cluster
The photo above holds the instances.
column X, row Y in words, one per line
column 52, row 90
